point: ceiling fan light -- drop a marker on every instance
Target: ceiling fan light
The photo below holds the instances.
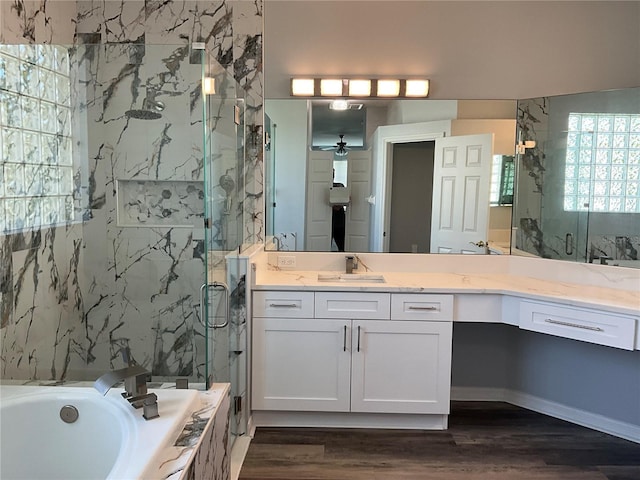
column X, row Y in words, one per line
column 359, row 88
column 302, row 87
column 388, row 88
column 330, row 87
column 339, row 105
column 417, row 88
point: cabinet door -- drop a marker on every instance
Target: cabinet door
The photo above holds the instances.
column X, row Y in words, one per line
column 401, row 366
column 301, row 364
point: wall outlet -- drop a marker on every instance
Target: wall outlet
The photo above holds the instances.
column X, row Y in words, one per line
column 286, row 261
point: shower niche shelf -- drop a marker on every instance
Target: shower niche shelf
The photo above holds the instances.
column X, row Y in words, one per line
column 160, row 203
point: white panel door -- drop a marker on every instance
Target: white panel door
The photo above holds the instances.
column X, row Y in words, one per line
column 301, row 364
column 461, row 183
column 358, row 211
column 318, row 211
column 401, row 366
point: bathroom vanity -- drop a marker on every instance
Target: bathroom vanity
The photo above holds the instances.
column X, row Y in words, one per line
column 353, row 352
column 330, row 349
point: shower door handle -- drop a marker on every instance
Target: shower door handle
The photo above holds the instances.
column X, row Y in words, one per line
column 227, row 300
column 568, row 244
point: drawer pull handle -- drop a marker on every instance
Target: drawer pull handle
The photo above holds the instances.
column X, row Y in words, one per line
column 344, row 341
column 283, row 305
column 575, row 325
column 358, row 338
column 411, row 307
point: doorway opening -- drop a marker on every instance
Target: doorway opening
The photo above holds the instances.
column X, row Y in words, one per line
column 411, row 197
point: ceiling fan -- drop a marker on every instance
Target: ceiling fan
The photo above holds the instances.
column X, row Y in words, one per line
column 340, row 150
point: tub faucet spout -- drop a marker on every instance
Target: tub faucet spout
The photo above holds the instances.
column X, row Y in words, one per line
column 134, row 377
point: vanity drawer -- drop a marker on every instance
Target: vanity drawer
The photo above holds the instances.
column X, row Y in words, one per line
column 421, row 306
column 584, row 324
column 371, row 306
column 283, row 304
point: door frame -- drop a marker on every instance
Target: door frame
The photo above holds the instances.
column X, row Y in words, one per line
column 384, row 139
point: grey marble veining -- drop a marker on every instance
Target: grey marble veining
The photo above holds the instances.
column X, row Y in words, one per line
column 74, row 295
column 157, row 203
column 37, row 21
column 532, row 121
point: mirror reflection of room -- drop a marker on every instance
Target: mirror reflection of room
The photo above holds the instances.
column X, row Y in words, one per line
column 377, row 134
column 338, row 207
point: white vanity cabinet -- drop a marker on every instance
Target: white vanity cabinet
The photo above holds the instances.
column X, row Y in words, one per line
column 359, row 352
column 588, row 325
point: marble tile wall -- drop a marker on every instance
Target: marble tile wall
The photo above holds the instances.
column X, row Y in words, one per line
column 74, row 296
column 533, row 124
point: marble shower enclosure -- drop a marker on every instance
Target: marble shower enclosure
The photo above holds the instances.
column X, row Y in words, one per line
column 548, row 228
column 74, row 295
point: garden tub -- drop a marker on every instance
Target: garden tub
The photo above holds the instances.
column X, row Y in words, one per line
column 108, row 440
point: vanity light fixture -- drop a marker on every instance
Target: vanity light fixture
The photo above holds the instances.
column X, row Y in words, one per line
column 302, row 87
column 359, row 87
column 331, row 87
column 209, row 85
column 388, row 88
column 416, row 88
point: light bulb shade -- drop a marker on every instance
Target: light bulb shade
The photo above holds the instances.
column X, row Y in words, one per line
column 388, row 88
column 359, row 88
column 417, row 88
column 304, row 87
column 330, row 87
column 209, row 85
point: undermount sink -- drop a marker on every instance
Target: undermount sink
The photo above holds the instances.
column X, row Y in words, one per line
column 350, row 277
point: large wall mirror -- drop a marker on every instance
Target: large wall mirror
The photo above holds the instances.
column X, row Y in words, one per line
column 578, row 188
column 576, row 158
column 385, row 154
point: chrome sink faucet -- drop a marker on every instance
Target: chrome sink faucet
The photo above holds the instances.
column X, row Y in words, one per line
column 135, row 386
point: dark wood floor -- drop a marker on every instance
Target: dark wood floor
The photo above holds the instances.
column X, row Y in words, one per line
column 485, row 441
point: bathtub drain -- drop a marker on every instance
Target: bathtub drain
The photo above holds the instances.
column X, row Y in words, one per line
column 69, row 414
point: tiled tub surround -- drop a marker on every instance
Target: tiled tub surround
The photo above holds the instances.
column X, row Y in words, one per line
column 72, row 296
column 187, row 441
column 503, row 346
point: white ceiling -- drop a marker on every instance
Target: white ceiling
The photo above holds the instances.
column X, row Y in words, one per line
column 468, row 49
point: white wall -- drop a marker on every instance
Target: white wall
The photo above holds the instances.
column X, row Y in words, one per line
column 414, row 111
column 504, row 132
column 469, row 49
column 290, row 151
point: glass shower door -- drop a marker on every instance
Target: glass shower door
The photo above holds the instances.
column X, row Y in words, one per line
column 223, row 288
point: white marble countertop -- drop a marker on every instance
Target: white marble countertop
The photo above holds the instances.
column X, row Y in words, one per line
column 622, row 301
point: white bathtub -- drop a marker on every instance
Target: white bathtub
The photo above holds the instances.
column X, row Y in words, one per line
column 109, row 440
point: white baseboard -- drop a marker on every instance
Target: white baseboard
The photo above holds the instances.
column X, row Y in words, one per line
column 594, row 421
column 267, row 418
